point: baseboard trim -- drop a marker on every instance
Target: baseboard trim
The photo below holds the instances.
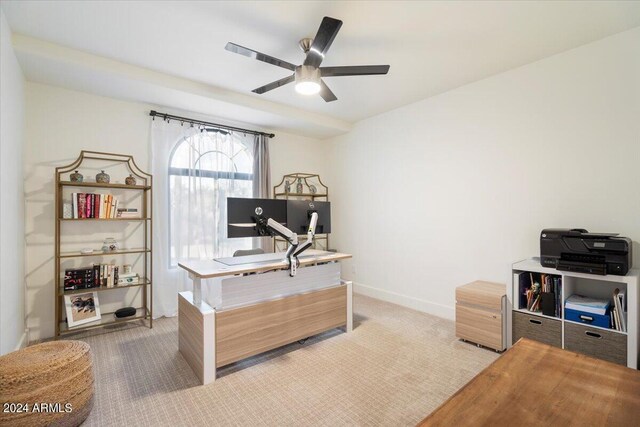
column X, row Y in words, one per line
column 425, row 306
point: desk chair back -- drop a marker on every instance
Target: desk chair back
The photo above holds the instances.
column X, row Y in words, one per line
column 245, row 252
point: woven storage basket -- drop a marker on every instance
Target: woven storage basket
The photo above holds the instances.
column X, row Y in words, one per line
column 58, row 372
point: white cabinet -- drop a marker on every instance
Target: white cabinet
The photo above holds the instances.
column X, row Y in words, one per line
column 604, row 343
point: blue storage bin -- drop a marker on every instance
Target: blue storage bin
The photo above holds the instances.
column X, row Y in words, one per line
column 602, row 320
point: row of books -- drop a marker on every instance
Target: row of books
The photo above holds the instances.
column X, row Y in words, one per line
column 94, row 205
column 97, row 275
column 541, row 293
column 618, row 319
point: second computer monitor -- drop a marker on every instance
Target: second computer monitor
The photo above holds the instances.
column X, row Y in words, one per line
column 299, row 214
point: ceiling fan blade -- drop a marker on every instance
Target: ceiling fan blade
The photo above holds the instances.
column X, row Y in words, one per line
column 354, row 70
column 232, row 47
column 326, row 93
column 328, row 30
column 274, row 85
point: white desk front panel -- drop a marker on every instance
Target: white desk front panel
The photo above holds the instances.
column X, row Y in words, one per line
column 244, row 290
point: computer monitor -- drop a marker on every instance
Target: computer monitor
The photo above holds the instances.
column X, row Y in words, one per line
column 299, row 212
column 242, row 215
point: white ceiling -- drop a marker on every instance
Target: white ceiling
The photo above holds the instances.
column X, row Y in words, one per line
column 432, row 47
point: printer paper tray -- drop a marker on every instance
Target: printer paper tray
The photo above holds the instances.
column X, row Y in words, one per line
column 582, row 267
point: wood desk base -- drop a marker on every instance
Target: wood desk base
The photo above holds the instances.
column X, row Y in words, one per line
column 209, row 339
column 536, row 384
column 247, row 331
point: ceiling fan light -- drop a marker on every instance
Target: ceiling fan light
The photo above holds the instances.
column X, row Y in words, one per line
column 307, row 88
column 307, row 80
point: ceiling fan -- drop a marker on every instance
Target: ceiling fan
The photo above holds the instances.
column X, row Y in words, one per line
column 308, row 76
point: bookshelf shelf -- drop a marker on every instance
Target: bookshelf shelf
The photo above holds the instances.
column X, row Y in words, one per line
column 100, row 185
column 604, row 343
column 62, row 292
column 104, row 219
column 142, row 199
column 535, row 313
column 107, row 319
column 101, row 253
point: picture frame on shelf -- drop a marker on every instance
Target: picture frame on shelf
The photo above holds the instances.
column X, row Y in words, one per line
column 82, row 308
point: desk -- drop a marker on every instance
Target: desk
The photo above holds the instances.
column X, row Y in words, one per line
column 247, row 314
column 537, row 384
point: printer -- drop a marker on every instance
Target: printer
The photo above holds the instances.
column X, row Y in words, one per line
column 580, row 251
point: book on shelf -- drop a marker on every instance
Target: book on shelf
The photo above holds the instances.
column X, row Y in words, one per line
column 78, row 272
column 103, row 205
column 587, row 304
column 128, row 213
column 618, row 309
column 82, row 202
column 107, row 206
column 74, row 206
column 615, row 320
column 78, row 278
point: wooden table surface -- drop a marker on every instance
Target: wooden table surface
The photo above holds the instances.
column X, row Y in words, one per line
column 537, row 384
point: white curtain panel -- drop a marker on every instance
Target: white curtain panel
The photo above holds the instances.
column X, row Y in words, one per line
column 194, row 171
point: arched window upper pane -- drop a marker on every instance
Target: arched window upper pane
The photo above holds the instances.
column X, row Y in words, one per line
column 205, row 169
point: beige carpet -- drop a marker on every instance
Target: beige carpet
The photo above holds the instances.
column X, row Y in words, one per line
column 395, row 368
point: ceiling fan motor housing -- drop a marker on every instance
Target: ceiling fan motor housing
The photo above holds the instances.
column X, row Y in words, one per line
column 307, row 73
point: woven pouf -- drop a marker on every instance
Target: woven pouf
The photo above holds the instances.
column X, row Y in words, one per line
column 47, row 384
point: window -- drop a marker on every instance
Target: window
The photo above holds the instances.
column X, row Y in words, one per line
column 205, row 169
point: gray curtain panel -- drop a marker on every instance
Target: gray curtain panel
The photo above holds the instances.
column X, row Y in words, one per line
column 261, row 167
column 262, row 180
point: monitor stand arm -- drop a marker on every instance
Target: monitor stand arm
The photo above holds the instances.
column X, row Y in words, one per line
column 272, row 228
column 275, row 228
column 310, row 233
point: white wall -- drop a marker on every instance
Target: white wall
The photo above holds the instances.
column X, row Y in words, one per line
column 12, row 321
column 60, row 123
column 457, row 187
column 293, row 153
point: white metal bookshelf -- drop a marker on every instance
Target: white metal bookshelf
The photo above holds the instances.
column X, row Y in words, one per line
column 576, row 336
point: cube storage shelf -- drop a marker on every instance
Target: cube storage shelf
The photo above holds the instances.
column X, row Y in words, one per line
column 144, row 312
column 603, row 343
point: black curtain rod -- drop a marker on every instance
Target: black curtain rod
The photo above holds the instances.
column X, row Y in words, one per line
column 166, row 116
